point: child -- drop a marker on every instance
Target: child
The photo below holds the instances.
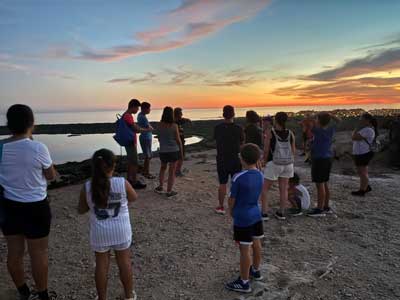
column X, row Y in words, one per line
column 321, row 161
column 170, row 150
column 145, row 138
column 229, row 136
column 247, row 221
column 106, row 198
column 299, row 197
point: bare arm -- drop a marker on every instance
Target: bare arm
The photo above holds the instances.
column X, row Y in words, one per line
column 136, row 128
column 293, row 143
column 130, row 192
column 82, row 205
column 267, row 144
column 231, row 205
column 178, row 139
column 50, row 173
column 356, row 136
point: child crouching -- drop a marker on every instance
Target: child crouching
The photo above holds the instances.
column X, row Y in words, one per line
column 106, row 198
column 299, row 197
column 247, row 220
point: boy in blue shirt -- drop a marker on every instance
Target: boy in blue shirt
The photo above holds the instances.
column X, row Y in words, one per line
column 145, row 138
column 247, row 220
column 321, row 161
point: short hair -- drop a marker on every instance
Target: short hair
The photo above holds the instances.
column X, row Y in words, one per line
column 228, row 112
column 145, row 105
column 168, row 115
column 281, row 118
column 134, row 103
column 20, row 118
column 252, row 117
column 295, row 179
column 250, row 153
column 177, row 111
column 324, row 118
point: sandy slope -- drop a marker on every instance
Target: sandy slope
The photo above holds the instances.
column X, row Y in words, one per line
column 183, row 250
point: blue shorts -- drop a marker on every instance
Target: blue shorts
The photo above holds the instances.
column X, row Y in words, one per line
column 145, row 144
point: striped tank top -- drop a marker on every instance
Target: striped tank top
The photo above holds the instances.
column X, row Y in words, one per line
column 110, row 226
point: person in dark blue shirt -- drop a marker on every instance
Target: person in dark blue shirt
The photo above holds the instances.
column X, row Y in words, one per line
column 145, row 139
column 321, row 161
column 247, row 220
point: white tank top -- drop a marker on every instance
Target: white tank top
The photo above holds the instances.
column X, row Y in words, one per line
column 110, row 226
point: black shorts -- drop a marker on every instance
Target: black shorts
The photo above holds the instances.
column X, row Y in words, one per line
column 363, row 160
column 227, row 168
column 246, row 235
column 321, row 169
column 31, row 220
column 169, row 157
column 131, row 154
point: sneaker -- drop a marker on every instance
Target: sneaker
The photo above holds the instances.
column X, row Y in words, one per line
column 328, row 210
column 265, row 217
column 279, row 215
column 316, row 213
column 359, row 193
column 239, row 286
column 159, row 190
column 255, row 274
column 295, row 212
column 35, row 296
column 220, row 210
column 139, row 185
column 134, row 296
column 29, row 297
column 369, row 189
column 171, row 194
column 149, row 176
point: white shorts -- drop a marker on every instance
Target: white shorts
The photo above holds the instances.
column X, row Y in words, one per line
column 273, row 172
column 119, row 247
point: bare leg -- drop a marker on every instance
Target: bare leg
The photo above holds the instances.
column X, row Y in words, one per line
column 171, row 176
column 179, row 166
column 321, row 194
column 101, row 273
column 132, row 173
column 15, row 258
column 257, row 253
column 283, row 192
column 221, row 194
column 125, row 271
column 38, row 251
column 163, row 168
column 146, row 166
column 245, row 261
column 264, row 199
column 327, row 195
column 364, row 180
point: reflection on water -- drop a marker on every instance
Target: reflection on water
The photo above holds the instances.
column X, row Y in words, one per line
column 77, row 148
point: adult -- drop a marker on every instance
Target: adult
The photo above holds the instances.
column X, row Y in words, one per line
column 363, row 137
column 253, row 131
column 279, row 150
column 307, row 136
column 180, row 121
column 229, row 137
column 145, row 139
column 170, row 150
column 131, row 150
column 25, row 165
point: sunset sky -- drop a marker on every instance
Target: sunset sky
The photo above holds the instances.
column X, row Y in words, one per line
column 92, row 54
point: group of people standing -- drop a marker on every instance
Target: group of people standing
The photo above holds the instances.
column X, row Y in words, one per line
column 253, row 158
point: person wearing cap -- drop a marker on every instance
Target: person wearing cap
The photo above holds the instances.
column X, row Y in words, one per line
column 229, row 137
column 131, row 150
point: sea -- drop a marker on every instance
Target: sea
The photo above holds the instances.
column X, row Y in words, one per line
column 64, row 148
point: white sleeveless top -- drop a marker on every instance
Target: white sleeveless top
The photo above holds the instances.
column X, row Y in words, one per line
column 110, row 226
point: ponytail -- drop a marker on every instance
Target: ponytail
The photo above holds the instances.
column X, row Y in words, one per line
column 102, row 163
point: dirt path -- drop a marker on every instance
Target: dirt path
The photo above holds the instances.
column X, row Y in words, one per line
column 183, row 250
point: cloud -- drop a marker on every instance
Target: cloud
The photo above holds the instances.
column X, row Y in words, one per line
column 385, row 60
column 188, row 23
column 147, row 77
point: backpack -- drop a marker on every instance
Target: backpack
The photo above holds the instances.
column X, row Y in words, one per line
column 124, row 135
column 283, row 154
column 375, row 146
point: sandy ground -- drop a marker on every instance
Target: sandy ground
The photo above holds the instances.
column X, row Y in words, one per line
column 183, row 250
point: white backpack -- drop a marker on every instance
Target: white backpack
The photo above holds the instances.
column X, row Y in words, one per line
column 283, row 154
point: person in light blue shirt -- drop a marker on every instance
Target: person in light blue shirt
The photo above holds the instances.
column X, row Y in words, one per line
column 145, row 138
column 247, row 219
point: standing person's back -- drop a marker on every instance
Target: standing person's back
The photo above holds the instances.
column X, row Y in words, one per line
column 229, row 137
column 166, row 137
column 253, row 132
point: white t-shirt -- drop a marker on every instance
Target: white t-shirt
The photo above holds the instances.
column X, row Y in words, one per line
column 21, row 170
column 304, row 196
column 362, row 147
column 110, row 226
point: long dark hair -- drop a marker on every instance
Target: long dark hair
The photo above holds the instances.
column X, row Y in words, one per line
column 103, row 161
column 168, row 115
column 281, row 119
column 373, row 121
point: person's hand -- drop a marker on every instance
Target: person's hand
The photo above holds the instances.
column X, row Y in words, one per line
column 151, row 128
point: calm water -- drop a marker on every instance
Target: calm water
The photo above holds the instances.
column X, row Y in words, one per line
column 78, row 148
column 155, row 115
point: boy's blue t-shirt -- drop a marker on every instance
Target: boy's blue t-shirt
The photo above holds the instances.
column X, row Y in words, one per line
column 246, row 190
column 143, row 122
column 322, row 143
